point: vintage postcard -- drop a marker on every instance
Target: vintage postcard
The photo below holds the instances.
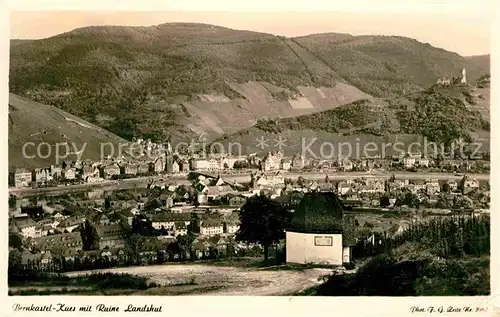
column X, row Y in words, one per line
column 162, row 156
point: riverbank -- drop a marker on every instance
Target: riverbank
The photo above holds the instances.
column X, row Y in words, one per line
column 239, row 178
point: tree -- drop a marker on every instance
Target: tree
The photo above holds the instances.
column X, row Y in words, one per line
column 142, row 226
column 133, row 247
column 446, row 188
column 90, row 238
column 230, row 247
column 107, row 202
column 174, row 248
column 462, row 202
column 443, row 202
column 263, row 221
column 194, row 225
column 12, row 202
column 368, row 225
column 15, row 241
column 125, row 127
column 185, row 242
column 15, row 260
column 411, row 200
column 153, row 204
column 384, row 201
column 301, row 181
column 241, row 164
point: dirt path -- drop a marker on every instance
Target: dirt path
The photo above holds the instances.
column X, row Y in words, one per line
column 228, row 280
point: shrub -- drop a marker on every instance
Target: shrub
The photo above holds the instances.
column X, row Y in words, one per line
column 349, row 266
column 110, row 281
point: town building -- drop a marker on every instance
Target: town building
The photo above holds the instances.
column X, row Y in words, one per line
column 89, row 171
column 104, row 220
column 227, row 162
column 432, row 187
column 72, row 240
column 409, row 162
column 271, row 162
column 69, row 173
column 286, row 164
column 41, row 175
column 55, row 172
column 167, row 200
column 468, row 184
column 110, row 237
column 22, row 177
column 27, row 227
column 129, row 169
column 298, row 162
column 142, row 168
column 423, row 162
column 444, row 81
column 180, row 229
column 184, row 165
column 172, row 165
column 163, row 221
column 343, row 188
column 261, row 180
column 231, row 226
column 235, row 200
column 158, row 166
column 127, row 216
column 70, row 224
column 168, row 221
column 346, row 164
column 214, row 193
column 453, row 185
column 110, row 170
column 198, row 164
column 211, row 227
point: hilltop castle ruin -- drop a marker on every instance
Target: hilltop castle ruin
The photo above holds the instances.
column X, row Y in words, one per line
column 447, row 81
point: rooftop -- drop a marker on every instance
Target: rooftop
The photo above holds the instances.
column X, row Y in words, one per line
column 318, row 212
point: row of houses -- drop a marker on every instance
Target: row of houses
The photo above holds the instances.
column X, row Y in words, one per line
column 91, row 172
column 274, row 161
column 152, row 250
column 172, row 222
column 28, row 228
column 173, row 163
column 111, row 237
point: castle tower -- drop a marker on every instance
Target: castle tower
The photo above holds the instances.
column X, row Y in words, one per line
column 463, row 80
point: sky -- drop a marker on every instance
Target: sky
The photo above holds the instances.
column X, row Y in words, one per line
column 458, row 26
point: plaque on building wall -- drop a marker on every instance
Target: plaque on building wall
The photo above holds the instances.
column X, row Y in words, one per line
column 323, row 241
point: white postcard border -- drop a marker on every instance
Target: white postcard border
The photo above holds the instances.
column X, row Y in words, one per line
column 254, row 306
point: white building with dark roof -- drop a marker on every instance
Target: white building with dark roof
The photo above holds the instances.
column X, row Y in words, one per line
column 319, row 231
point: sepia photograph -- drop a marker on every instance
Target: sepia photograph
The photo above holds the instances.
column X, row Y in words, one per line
column 185, row 153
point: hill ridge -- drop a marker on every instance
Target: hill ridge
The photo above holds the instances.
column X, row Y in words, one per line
column 32, row 123
column 132, row 80
column 437, row 114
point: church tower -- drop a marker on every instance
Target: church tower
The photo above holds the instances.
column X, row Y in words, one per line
column 463, row 80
